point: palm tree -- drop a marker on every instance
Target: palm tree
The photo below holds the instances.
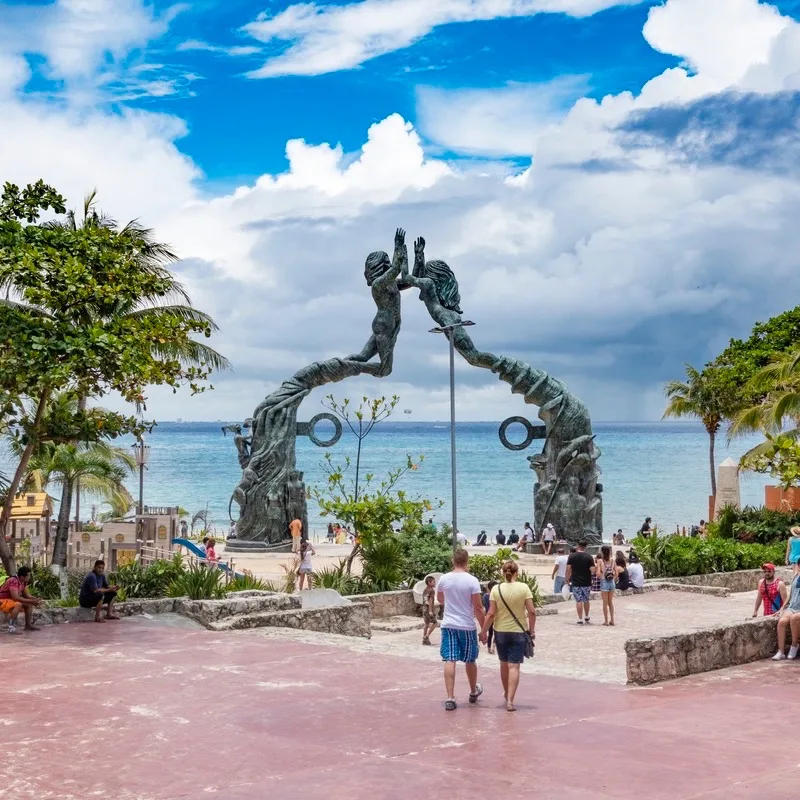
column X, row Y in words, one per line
column 153, row 257
column 778, row 385
column 101, row 470
column 699, row 397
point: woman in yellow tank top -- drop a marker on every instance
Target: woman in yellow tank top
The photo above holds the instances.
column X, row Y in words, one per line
column 510, row 608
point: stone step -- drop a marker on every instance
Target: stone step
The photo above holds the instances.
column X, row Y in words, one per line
column 399, row 624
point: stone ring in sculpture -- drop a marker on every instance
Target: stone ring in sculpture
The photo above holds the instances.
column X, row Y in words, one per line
column 532, row 431
column 337, row 432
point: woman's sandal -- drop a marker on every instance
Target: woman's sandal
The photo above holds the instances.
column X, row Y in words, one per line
column 510, row 707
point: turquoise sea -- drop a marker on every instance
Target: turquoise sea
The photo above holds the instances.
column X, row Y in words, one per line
column 649, row 469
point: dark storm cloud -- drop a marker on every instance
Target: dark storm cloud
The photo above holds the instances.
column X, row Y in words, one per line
column 752, row 131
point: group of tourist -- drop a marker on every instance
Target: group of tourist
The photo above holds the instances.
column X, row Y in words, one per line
column 339, row 534
column 580, row 574
column 778, row 600
column 507, row 621
column 16, row 597
column 547, row 537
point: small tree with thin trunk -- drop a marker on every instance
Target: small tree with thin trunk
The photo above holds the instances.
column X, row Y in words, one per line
column 700, row 396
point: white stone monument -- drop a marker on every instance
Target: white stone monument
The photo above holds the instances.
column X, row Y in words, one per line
column 727, row 486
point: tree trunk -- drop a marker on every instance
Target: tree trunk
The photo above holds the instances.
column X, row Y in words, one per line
column 711, row 441
column 62, row 528
column 5, row 551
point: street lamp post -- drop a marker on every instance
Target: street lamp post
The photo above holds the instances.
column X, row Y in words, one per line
column 141, row 452
column 449, row 332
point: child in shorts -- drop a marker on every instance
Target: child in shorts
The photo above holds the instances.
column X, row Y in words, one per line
column 428, row 609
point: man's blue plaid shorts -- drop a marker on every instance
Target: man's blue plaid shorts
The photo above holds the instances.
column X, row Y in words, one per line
column 459, row 645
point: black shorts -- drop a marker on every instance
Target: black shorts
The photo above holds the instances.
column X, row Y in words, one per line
column 91, row 600
column 510, row 646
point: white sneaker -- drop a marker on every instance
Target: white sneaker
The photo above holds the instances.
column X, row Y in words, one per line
column 793, row 651
column 779, row 656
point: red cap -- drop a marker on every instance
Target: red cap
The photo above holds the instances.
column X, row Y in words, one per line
column 768, row 566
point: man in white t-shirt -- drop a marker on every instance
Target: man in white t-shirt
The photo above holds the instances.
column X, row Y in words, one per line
column 461, row 539
column 460, row 595
column 635, row 572
column 559, row 575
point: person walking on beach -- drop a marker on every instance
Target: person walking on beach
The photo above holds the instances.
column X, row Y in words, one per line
column 606, row 567
column 511, row 602
column 428, row 609
column 460, row 595
column 296, row 530
column 771, row 592
column 559, row 575
column 580, row 568
column 304, row 568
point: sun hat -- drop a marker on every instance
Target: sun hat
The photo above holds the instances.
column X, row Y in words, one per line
column 795, row 530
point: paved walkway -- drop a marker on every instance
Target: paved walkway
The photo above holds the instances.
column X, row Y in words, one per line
column 139, row 710
column 563, row 648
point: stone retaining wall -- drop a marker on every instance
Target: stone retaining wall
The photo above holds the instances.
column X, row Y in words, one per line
column 130, row 608
column 352, row 620
column 745, row 580
column 391, row 604
column 666, row 657
column 207, row 611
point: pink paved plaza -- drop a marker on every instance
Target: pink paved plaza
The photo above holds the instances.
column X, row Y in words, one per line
column 138, row 709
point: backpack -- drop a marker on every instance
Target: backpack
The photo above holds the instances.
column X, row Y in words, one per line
column 609, row 572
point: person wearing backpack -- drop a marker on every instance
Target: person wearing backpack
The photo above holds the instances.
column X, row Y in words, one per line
column 771, row 592
column 607, row 569
column 511, row 602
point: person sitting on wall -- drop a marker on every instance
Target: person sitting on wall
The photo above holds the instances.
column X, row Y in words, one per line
column 501, row 537
column 96, row 593
column 481, row 540
column 789, row 620
column 15, row 597
column 635, row 572
column 513, row 537
column 771, row 592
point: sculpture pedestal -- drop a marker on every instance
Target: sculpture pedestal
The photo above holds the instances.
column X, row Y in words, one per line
column 245, row 546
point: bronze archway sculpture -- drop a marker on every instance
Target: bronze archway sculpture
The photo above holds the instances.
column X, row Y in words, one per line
column 271, row 492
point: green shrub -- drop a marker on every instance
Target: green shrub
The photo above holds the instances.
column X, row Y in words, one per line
column 487, row 567
column 425, row 550
column 336, row 578
column 533, row 585
column 198, row 582
column 150, row 581
column 755, row 525
column 248, row 582
column 70, row 602
column 383, row 565
column 45, row 584
column 675, row 556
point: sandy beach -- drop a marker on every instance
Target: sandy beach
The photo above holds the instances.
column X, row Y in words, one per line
column 270, row 566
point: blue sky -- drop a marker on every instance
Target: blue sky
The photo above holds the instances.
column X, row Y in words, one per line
column 612, row 180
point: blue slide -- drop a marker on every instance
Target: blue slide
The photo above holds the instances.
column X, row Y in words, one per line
column 196, row 551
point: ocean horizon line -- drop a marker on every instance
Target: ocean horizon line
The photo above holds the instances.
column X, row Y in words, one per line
column 666, row 423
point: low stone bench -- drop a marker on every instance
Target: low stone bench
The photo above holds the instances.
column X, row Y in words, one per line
column 650, row 660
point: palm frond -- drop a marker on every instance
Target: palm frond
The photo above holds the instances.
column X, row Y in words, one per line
column 183, row 313
column 192, row 353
